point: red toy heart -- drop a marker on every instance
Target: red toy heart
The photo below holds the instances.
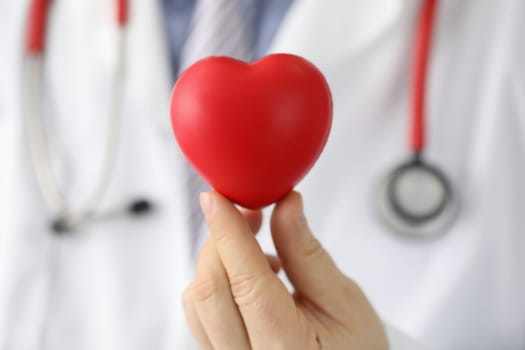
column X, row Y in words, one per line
column 252, row 131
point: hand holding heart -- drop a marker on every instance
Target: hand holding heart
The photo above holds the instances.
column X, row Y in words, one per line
column 237, row 302
column 252, row 131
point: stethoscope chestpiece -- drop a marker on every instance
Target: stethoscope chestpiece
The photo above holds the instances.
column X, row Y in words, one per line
column 417, row 200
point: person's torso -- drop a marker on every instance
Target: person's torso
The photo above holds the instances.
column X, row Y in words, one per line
column 116, row 285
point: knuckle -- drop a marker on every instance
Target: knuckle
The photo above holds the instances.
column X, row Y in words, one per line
column 202, row 290
column 247, row 289
column 221, row 236
column 312, row 249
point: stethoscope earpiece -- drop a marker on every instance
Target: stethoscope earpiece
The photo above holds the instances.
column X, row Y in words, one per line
column 60, row 226
column 140, row 207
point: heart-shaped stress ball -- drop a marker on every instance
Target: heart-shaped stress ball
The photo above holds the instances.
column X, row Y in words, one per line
column 252, row 131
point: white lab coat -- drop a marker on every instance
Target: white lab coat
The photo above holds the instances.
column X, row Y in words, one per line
column 116, row 285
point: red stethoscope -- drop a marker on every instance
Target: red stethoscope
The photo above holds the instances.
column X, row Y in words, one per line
column 417, row 199
column 65, row 217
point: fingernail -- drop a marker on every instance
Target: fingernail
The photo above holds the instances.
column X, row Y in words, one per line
column 206, row 203
column 300, row 214
column 301, row 218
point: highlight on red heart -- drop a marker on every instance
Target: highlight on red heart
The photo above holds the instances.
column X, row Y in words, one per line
column 252, row 131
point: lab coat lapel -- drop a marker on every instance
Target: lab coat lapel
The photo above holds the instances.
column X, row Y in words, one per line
column 149, row 85
column 328, row 31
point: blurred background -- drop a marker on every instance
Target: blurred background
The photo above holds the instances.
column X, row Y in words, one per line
column 418, row 194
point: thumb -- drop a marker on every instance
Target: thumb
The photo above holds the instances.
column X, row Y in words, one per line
column 306, row 263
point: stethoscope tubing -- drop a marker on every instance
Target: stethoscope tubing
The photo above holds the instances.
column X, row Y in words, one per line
column 421, row 55
column 37, row 140
column 37, row 19
column 392, row 212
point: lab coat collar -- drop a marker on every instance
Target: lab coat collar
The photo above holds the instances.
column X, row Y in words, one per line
column 327, row 32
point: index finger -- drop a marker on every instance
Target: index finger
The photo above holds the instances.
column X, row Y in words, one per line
column 239, row 251
column 264, row 303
